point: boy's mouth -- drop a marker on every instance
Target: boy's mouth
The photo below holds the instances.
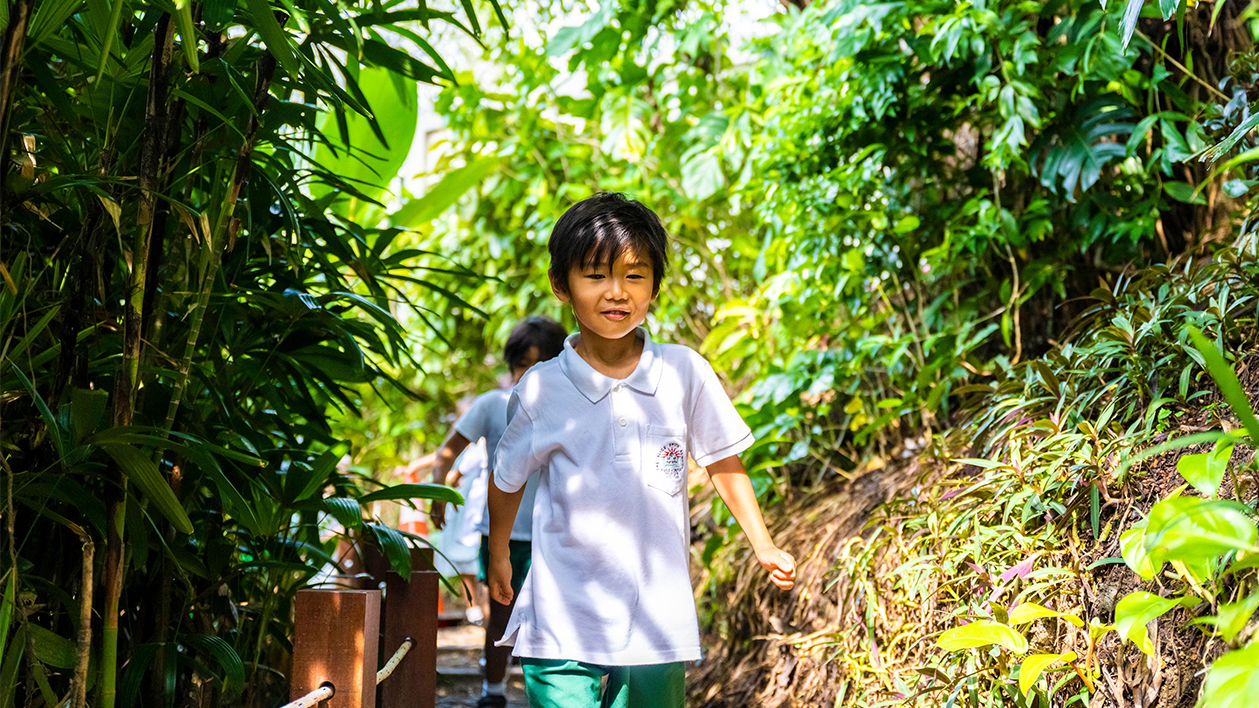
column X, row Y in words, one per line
column 616, row 314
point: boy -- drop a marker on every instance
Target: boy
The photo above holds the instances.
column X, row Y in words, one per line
column 533, row 340
column 609, row 423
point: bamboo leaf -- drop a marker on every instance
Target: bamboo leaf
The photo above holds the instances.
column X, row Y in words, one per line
column 142, row 470
column 445, row 193
column 274, row 36
column 218, row 14
column 187, row 34
column 58, row 435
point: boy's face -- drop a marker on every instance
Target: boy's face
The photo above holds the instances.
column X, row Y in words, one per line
column 609, row 302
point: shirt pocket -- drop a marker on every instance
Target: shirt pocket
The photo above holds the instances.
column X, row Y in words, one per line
column 664, row 458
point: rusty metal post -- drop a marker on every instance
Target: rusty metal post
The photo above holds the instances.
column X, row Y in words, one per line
column 336, row 641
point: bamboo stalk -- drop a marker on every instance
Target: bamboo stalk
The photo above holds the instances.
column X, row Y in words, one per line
column 213, row 254
column 85, row 624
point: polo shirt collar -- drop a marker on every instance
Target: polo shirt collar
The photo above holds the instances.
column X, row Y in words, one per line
column 594, row 385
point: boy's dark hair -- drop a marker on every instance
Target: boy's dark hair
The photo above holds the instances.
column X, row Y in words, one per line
column 598, row 229
column 543, row 333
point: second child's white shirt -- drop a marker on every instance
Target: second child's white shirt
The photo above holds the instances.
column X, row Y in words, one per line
column 610, row 576
column 486, row 418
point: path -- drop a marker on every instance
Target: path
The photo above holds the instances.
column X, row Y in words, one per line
column 459, row 671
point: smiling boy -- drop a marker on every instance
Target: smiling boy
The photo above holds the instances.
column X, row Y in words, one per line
column 609, row 423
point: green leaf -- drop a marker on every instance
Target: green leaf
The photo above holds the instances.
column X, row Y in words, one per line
column 187, row 34
column 274, row 36
column 701, row 174
column 1226, row 379
column 1168, row 7
column 60, row 440
column 1192, row 530
column 1206, row 471
column 218, row 14
column 1128, row 24
column 414, row 491
column 7, row 603
column 1233, row 680
column 110, row 31
column 366, row 162
column 1132, row 547
column 1236, row 188
column 1231, row 619
column 1183, row 192
column 444, row 194
column 907, row 224
column 52, row 648
column 141, row 470
column 1028, row 611
column 345, row 510
column 225, row 656
column 394, row 547
column 1135, row 611
column 1034, row 665
column 982, row 633
column 1227, row 144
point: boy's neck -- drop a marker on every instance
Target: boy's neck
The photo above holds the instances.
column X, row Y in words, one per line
column 614, row 358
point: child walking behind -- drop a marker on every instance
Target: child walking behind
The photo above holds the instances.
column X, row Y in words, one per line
column 609, row 423
column 531, row 341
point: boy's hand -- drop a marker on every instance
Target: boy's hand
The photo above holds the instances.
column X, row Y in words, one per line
column 500, row 579
column 781, row 566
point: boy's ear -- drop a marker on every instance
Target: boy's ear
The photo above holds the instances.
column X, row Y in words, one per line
column 559, row 287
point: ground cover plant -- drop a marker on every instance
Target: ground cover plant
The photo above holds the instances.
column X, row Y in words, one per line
column 1023, row 557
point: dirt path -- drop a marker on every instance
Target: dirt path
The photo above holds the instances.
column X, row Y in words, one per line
column 459, row 670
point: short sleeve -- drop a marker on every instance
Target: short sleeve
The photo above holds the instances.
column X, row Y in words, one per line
column 475, row 423
column 515, row 461
column 715, row 428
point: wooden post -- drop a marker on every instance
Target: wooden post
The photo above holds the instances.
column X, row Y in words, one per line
column 336, row 642
column 410, row 610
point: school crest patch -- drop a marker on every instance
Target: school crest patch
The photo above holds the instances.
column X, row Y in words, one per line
column 671, row 462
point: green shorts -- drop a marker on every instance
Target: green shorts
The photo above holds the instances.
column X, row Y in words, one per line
column 556, row 683
column 521, row 553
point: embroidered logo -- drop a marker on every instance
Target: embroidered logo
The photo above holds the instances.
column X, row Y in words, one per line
column 671, row 462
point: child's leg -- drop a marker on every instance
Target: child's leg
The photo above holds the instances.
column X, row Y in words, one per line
column 556, row 683
column 647, row 686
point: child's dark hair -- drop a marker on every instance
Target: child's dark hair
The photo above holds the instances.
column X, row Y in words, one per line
column 598, row 229
column 542, row 333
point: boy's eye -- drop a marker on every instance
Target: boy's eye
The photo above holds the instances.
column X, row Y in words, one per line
column 595, row 276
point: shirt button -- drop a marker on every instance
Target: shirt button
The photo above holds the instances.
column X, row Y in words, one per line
column 624, row 422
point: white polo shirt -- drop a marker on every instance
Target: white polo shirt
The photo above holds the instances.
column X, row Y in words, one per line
column 486, row 418
column 610, row 580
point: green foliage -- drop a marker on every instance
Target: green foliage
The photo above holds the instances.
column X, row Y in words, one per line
column 195, row 285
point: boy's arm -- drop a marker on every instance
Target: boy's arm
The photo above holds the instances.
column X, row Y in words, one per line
column 735, row 489
column 503, row 508
column 454, row 444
